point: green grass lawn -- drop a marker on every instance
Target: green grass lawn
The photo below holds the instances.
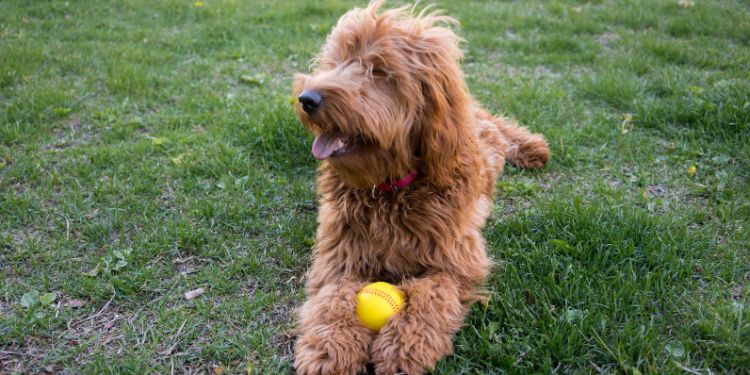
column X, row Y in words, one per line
column 148, row 148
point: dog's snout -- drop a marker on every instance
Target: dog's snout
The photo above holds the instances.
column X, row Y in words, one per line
column 311, row 100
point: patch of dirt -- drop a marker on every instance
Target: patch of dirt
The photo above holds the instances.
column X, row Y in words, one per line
column 282, row 313
column 607, row 39
column 540, row 71
column 20, row 188
column 73, row 133
column 284, row 344
column 548, row 180
column 28, row 359
column 101, row 329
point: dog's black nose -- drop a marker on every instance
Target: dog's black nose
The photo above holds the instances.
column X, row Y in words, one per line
column 310, row 100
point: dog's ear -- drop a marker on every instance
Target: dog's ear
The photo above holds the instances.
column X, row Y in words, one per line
column 445, row 114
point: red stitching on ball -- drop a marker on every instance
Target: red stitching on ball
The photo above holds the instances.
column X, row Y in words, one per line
column 387, row 297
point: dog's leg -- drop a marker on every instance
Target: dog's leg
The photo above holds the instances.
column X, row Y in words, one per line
column 332, row 340
column 524, row 148
column 416, row 338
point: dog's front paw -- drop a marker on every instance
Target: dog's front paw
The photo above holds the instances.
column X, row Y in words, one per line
column 408, row 346
column 334, row 352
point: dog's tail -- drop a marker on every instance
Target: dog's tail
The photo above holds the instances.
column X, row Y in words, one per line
column 525, row 149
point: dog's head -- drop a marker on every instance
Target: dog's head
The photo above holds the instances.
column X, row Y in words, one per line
column 386, row 96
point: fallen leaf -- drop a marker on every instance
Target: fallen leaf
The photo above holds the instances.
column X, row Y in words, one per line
column 75, row 303
column 48, row 298
column 573, row 315
column 30, row 299
column 627, row 123
column 241, row 181
column 61, row 111
column 656, row 190
column 218, row 370
column 255, row 80
column 182, row 260
column 110, row 323
column 187, row 270
column 675, row 349
column 692, row 170
column 158, row 141
column 561, row 244
column 686, row 3
column 92, row 273
column 92, row 214
column 696, row 89
column 530, row 299
column 194, row 293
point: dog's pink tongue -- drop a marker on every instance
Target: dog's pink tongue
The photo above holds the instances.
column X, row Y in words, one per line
column 326, row 144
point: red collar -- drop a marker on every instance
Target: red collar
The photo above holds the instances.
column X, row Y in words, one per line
column 393, row 186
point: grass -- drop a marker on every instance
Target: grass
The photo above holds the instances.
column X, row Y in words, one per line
column 147, row 149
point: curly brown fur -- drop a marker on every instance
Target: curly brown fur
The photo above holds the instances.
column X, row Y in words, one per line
column 394, row 100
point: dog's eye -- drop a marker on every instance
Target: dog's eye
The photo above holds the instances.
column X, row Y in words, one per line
column 379, row 72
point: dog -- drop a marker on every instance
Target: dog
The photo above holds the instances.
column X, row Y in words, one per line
column 409, row 165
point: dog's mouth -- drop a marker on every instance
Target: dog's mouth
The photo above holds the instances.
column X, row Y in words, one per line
column 332, row 143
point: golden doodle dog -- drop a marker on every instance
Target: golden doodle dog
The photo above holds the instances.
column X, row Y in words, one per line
column 409, row 163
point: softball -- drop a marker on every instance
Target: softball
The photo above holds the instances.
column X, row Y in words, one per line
column 376, row 303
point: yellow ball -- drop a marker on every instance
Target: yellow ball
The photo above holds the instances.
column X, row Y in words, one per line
column 376, row 303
